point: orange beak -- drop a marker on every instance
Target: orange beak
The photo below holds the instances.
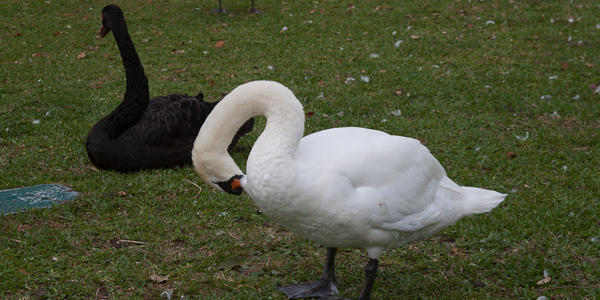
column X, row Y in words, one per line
column 236, row 184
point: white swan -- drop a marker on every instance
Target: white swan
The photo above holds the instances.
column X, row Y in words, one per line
column 342, row 187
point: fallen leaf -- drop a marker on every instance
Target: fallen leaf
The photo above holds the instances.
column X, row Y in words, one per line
column 17, row 34
column 23, row 272
column 229, row 263
column 310, row 113
column 565, row 65
column 511, row 155
column 414, row 36
column 211, row 83
column 81, row 55
column 544, row 280
column 398, row 93
column 181, row 70
column 178, row 52
column 219, row 44
column 159, row 279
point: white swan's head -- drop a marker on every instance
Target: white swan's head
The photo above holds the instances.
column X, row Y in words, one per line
column 218, row 171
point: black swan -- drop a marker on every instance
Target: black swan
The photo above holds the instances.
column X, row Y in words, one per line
column 221, row 10
column 143, row 133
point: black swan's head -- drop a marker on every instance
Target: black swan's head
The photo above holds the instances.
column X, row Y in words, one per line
column 110, row 13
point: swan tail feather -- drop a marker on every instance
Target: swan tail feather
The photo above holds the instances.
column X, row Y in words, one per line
column 480, row 201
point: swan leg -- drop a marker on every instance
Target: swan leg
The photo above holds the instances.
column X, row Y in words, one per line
column 254, row 11
column 219, row 10
column 322, row 288
column 370, row 274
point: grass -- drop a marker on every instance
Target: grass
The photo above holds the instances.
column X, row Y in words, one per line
column 473, row 80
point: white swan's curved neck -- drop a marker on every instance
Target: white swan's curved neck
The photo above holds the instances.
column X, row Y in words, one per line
column 278, row 141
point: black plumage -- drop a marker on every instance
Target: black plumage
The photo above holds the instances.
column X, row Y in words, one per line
column 143, row 133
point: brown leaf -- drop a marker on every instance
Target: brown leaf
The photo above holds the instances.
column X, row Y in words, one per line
column 544, row 280
column 17, row 34
column 181, row 70
column 178, row 52
column 81, row 55
column 398, row 93
column 211, row 83
column 23, row 272
column 159, row 279
column 310, row 113
column 219, row 44
column 511, row 154
column 565, row 65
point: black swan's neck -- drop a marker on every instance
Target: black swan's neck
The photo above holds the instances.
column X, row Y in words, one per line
column 137, row 96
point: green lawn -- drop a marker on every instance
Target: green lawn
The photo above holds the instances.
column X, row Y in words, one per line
column 501, row 92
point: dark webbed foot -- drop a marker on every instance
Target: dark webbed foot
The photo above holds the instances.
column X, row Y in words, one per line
column 321, row 288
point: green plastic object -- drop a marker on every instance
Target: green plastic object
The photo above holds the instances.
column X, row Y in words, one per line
column 38, row 196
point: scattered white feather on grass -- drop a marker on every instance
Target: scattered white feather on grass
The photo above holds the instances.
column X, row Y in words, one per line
column 553, row 77
column 364, row 78
column 349, row 79
column 271, row 67
column 284, row 29
column 394, row 33
column 374, row 55
column 576, row 97
column 396, row 113
column 564, row 168
column 320, row 95
column 36, row 122
column 47, row 113
column 167, row 294
column 397, row 44
column 547, row 97
column 555, row 115
column 490, row 22
column 523, row 137
column 595, row 239
column 408, row 28
column 597, row 91
column 542, row 298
